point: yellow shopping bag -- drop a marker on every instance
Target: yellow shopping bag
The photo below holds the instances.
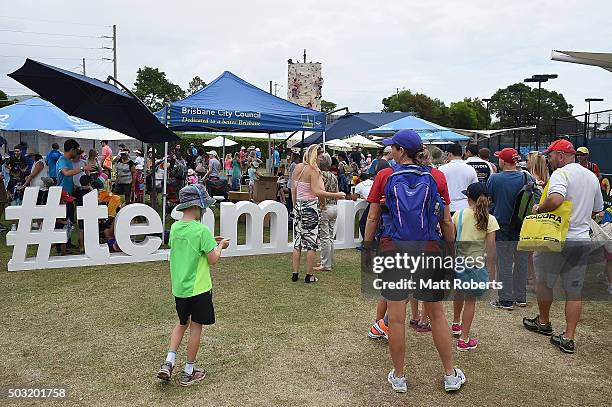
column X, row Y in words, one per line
column 546, row 232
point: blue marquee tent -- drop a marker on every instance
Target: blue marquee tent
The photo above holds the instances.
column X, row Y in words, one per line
column 352, row 123
column 231, row 104
column 38, row 114
column 429, row 132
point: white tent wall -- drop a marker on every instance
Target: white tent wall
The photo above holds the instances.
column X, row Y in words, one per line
column 41, row 142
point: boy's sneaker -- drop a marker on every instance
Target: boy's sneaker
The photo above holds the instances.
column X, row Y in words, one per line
column 165, row 371
column 521, row 304
column 534, row 325
column 566, row 345
column 379, row 330
column 189, row 379
column 454, row 382
column 471, row 343
column 398, row 383
column 456, row 329
column 507, row 305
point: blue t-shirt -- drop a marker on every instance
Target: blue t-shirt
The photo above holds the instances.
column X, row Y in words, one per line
column 64, row 181
column 503, row 188
column 52, row 158
column 372, row 169
column 276, row 158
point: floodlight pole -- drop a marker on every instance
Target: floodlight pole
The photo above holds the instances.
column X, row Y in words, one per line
column 539, row 79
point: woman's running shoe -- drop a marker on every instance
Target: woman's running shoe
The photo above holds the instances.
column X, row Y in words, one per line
column 379, row 330
column 463, row 346
column 397, row 383
column 454, row 381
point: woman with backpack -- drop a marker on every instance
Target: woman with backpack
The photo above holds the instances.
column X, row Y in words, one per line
column 476, row 239
column 409, row 192
column 307, row 187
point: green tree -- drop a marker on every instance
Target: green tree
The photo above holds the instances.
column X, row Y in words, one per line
column 433, row 110
column 195, row 85
column 517, row 104
column 4, row 99
column 154, row 89
column 463, row 116
column 327, row 106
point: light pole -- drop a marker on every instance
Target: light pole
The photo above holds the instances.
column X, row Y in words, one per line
column 487, row 101
column 539, row 79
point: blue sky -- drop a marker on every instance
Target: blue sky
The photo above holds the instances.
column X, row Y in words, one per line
column 446, row 49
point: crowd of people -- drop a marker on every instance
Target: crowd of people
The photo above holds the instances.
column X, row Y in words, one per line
column 466, row 206
column 421, row 201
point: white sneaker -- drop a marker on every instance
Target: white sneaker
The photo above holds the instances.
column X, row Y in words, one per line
column 454, row 382
column 398, row 383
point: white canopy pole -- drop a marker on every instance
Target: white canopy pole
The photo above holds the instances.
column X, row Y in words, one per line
column 270, row 163
column 323, row 140
column 223, row 154
column 165, row 189
column 164, row 194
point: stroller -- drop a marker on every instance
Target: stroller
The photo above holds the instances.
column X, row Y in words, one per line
column 218, row 187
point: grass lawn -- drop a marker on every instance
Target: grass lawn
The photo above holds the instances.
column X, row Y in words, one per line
column 103, row 331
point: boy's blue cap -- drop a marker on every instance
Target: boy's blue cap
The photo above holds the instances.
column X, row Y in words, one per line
column 408, row 139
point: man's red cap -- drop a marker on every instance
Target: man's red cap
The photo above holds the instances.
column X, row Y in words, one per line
column 508, row 154
column 561, row 145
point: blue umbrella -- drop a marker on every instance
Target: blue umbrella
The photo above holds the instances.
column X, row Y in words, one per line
column 38, row 114
column 93, row 100
column 429, row 132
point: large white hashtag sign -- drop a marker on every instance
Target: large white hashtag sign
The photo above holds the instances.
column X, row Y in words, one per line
column 46, row 235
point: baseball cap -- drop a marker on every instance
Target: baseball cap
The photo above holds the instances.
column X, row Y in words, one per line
column 475, row 190
column 212, row 152
column 582, row 150
column 408, row 139
column 562, row 145
column 508, row 154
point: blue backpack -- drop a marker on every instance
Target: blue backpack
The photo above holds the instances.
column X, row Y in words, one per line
column 414, row 205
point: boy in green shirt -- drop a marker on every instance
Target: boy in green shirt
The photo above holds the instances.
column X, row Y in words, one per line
column 193, row 249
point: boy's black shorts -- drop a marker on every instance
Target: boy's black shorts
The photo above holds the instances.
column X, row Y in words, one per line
column 200, row 308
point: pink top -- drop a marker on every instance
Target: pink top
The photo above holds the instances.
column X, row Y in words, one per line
column 304, row 191
column 107, row 152
column 228, row 164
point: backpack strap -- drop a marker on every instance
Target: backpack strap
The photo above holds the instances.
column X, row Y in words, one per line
column 460, row 224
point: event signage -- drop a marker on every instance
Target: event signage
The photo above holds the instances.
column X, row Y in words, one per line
column 149, row 248
column 232, row 119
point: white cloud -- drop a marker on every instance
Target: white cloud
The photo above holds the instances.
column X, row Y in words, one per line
column 446, row 49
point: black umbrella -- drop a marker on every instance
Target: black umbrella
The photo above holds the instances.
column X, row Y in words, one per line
column 93, row 100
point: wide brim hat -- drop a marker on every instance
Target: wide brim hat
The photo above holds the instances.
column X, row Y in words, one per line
column 194, row 195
